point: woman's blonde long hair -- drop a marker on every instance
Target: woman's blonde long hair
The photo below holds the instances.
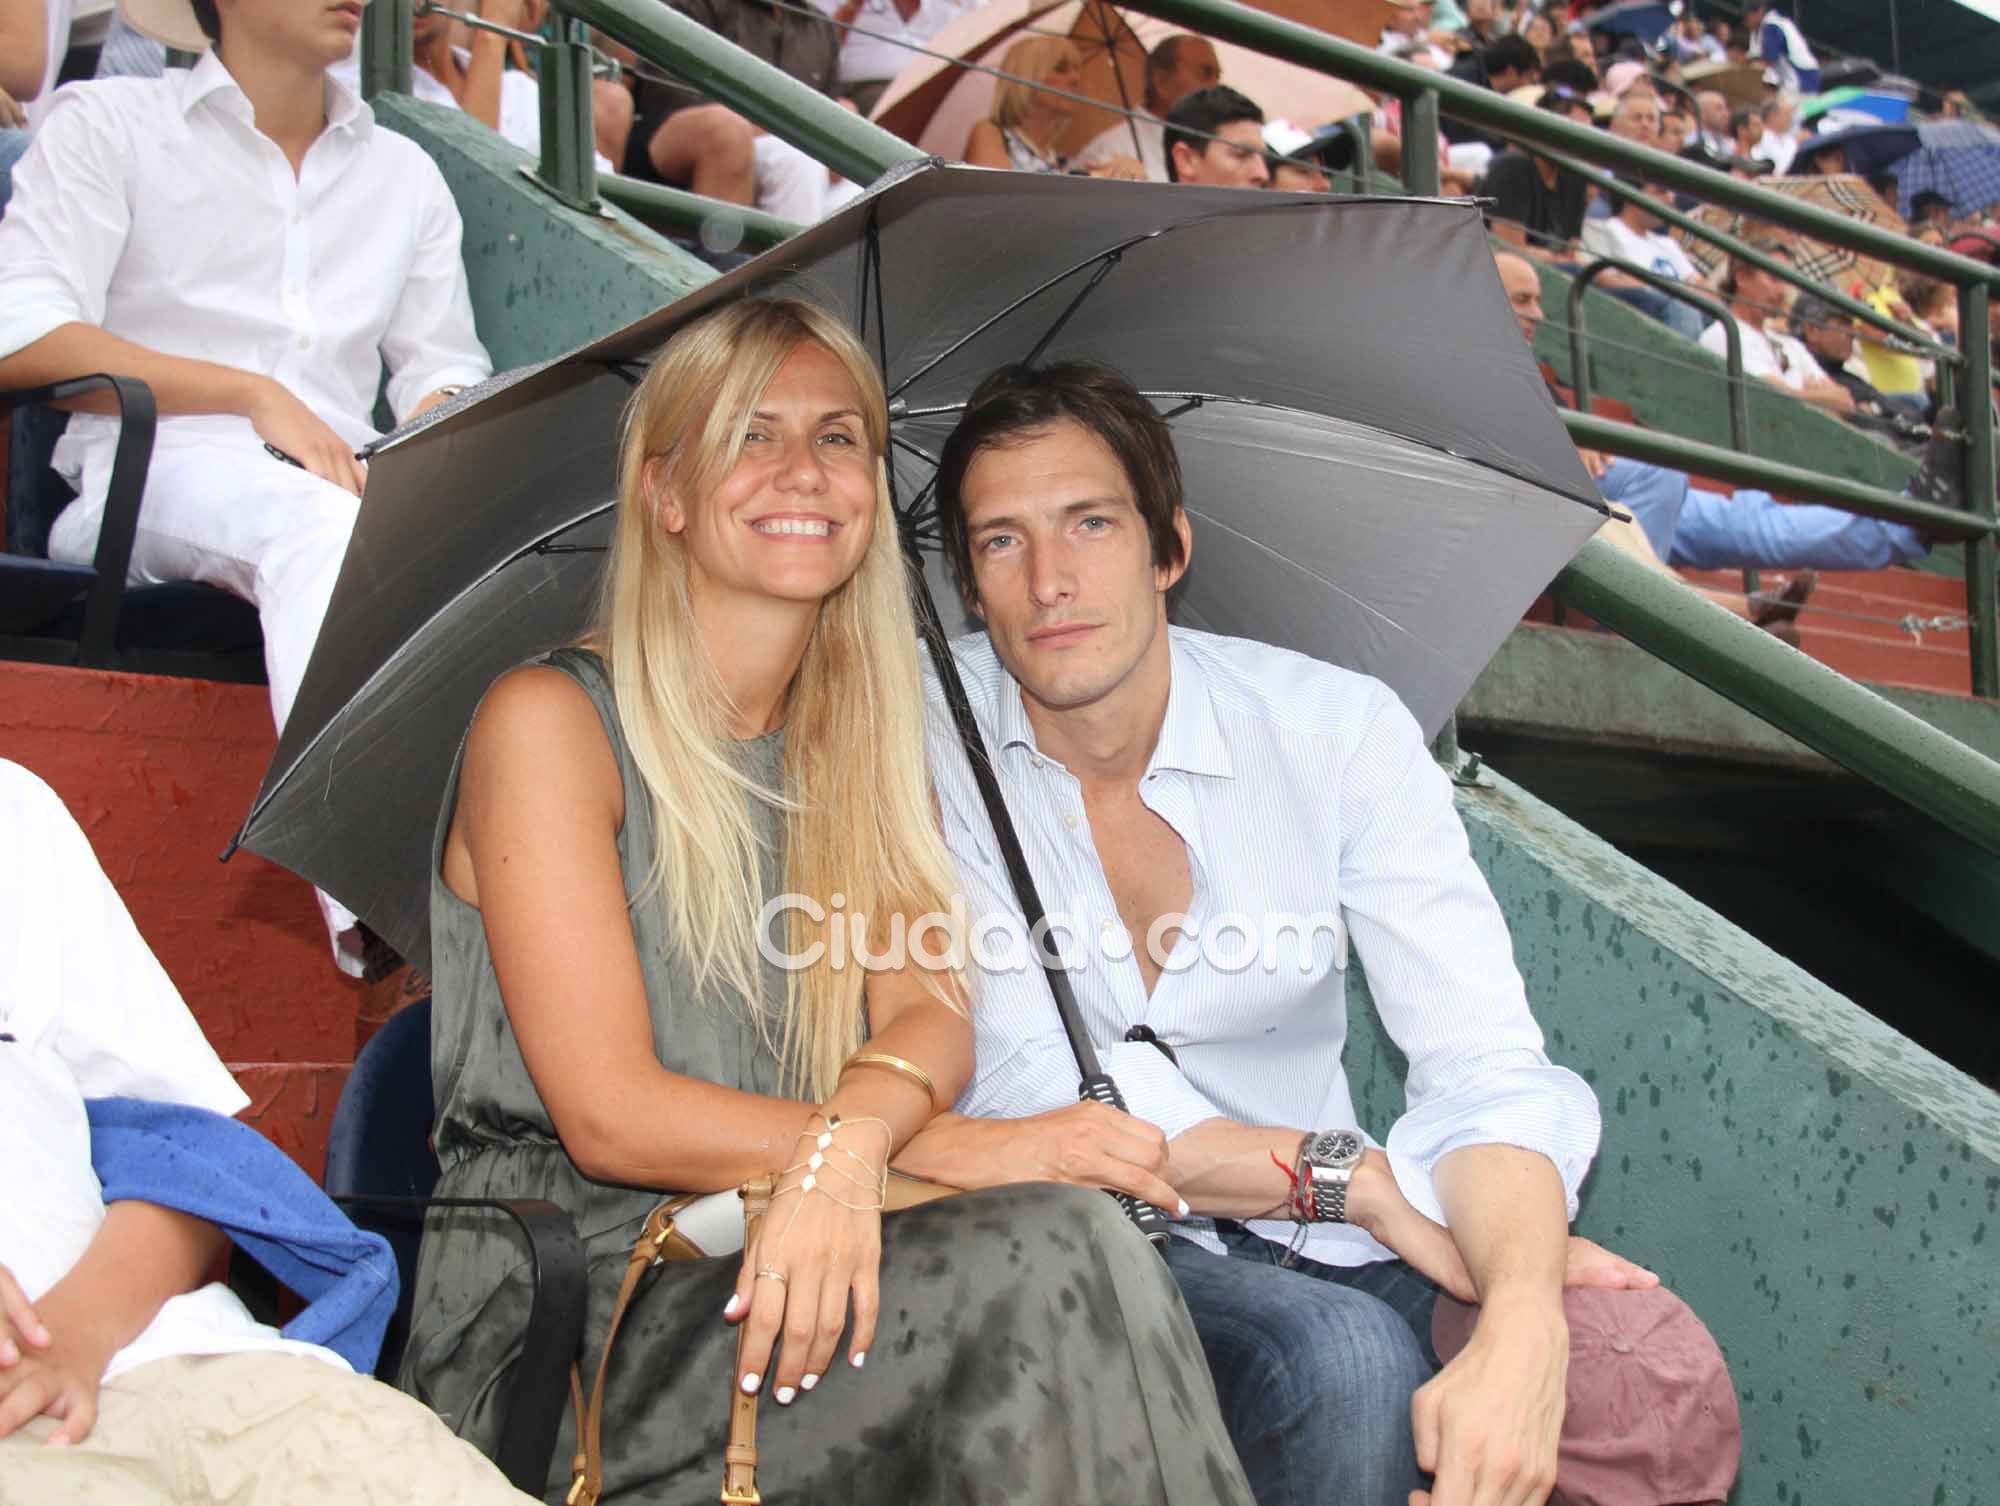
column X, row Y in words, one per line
column 858, row 813
column 1031, row 60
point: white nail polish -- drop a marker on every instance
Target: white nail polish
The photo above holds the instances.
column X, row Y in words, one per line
column 750, row 1383
column 808, row 1381
column 785, row 1395
column 735, row 1303
column 1184, row 1208
column 860, row 1359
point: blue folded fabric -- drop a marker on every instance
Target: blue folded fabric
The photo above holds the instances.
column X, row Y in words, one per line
column 198, row 1162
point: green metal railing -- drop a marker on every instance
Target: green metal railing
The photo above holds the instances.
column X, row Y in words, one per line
column 1849, row 724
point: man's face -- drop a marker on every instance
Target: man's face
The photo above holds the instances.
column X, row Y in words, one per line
column 1524, row 292
column 1832, row 341
column 1195, row 67
column 1298, row 177
column 1582, row 49
column 317, row 33
column 1674, row 132
column 1479, row 12
column 1637, row 118
column 1714, row 108
column 1236, row 161
column 1062, row 566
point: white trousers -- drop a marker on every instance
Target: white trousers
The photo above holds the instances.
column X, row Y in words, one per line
column 793, row 186
column 230, row 516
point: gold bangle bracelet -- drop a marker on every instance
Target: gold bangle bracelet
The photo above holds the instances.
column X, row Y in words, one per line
column 909, row 1069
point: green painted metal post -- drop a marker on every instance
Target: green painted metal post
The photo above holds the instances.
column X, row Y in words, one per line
column 1982, row 557
column 568, row 168
column 676, row 212
column 1823, row 709
column 387, row 48
column 1420, row 143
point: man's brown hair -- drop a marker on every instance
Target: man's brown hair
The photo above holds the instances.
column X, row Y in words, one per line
column 1017, row 403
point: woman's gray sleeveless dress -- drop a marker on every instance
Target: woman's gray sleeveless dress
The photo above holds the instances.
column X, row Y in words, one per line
column 1032, row 1350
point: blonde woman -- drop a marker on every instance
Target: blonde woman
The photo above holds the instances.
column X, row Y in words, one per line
column 739, row 742
column 1031, row 109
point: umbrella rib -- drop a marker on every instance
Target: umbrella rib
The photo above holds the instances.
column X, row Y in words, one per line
column 1096, row 278
column 1025, row 299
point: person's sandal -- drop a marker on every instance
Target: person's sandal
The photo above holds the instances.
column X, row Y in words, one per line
column 1777, row 615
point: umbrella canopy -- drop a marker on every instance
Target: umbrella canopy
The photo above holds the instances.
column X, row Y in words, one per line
column 1836, row 266
column 1376, row 475
column 1648, row 20
column 1956, row 158
column 935, row 101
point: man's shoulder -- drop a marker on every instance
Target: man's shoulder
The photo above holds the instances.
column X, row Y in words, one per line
column 110, row 106
column 1284, row 692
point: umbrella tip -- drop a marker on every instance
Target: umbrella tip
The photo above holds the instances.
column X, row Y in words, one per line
column 230, row 851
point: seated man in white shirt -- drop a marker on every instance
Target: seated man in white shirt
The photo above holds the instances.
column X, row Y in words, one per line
column 1183, row 792
column 1632, row 232
column 113, row 1340
column 243, row 238
column 1176, row 68
column 1759, row 299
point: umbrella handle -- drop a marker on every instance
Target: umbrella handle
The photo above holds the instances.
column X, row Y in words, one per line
column 1099, row 1088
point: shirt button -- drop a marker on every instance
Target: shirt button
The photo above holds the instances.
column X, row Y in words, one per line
column 1069, row 819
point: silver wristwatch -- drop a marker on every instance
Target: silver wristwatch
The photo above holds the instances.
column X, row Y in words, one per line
column 1326, row 1165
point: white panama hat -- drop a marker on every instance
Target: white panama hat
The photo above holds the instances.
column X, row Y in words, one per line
column 168, row 21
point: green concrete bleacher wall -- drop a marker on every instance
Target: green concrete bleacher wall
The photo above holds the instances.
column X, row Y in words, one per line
column 1825, row 1193
column 1819, row 1188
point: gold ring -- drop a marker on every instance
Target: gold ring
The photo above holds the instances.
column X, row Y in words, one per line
column 766, row 1273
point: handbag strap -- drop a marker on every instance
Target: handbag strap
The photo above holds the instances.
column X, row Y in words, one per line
column 739, row 1457
column 587, row 1466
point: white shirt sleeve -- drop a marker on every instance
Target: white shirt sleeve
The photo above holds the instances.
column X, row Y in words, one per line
column 430, row 342
column 66, row 225
column 75, row 974
column 1440, row 966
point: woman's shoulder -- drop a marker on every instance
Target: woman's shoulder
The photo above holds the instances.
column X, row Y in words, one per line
column 541, row 716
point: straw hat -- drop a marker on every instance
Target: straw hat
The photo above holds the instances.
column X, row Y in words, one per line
column 168, row 21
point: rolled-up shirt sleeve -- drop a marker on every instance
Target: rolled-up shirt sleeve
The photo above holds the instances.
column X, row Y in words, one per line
column 1440, row 965
column 430, row 342
column 66, row 224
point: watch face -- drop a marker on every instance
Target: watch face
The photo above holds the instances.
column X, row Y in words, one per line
column 1338, row 1148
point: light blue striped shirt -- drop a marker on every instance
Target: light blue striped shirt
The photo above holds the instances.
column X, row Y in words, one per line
column 1313, row 815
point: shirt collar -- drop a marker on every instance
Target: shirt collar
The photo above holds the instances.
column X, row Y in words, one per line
column 344, row 108
column 1190, row 736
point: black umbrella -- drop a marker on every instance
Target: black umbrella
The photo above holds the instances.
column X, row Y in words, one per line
column 1375, row 472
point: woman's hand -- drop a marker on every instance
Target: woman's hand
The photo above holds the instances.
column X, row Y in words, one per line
column 818, row 1249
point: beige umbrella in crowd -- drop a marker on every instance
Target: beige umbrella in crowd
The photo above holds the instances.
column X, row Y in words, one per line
column 1843, row 193
column 934, row 102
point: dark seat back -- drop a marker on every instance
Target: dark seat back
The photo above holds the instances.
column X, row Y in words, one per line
column 35, row 493
column 380, row 1145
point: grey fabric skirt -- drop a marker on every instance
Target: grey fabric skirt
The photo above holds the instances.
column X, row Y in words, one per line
column 1032, row 1350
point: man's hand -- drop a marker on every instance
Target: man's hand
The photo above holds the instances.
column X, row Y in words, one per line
column 1088, row 1144
column 1591, row 1264
column 1594, row 461
column 1487, row 1424
column 285, row 423
column 41, row 1374
column 1127, row 168
column 12, row 116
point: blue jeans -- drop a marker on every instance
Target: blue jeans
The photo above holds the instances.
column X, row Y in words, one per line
column 13, row 146
column 1684, row 319
column 1314, row 1366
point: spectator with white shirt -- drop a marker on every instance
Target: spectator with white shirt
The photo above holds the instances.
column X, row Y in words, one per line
column 241, row 237
column 34, row 38
column 1177, row 67
column 1780, row 143
column 1759, row 300
column 1178, row 791
column 1632, row 232
column 114, row 1342
column 880, row 38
